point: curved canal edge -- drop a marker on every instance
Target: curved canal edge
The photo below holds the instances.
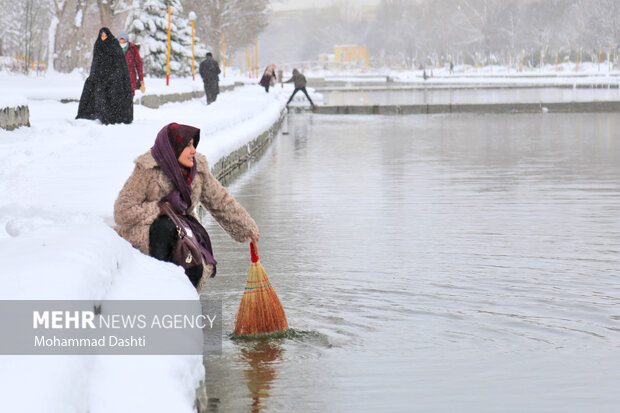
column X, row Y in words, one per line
column 542, row 107
column 226, row 170
column 232, row 165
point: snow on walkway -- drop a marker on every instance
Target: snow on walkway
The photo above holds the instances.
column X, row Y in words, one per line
column 80, row 165
column 59, row 86
column 58, row 182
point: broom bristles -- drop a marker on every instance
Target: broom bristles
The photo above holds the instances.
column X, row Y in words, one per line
column 260, row 310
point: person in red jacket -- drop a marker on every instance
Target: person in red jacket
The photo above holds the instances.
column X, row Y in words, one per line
column 134, row 62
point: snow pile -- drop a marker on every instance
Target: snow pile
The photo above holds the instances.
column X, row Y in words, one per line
column 52, row 86
column 12, row 101
column 10, row 64
column 59, row 86
column 585, row 73
column 58, row 180
column 56, row 255
column 484, row 74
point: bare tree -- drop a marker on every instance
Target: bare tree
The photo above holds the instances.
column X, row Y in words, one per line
column 392, row 35
column 77, row 31
column 545, row 27
column 59, row 11
column 485, row 26
column 10, row 22
column 105, row 11
column 601, row 23
column 241, row 21
column 110, row 10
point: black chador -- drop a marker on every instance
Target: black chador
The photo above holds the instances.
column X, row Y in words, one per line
column 107, row 93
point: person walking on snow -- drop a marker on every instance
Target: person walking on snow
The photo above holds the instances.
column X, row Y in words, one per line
column 209, row 72
column 107, row 90
column 134, row 62
column 269, row 77
column 300, row 84
column 173, row 172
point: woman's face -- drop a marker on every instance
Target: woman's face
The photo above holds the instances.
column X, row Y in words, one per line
column 103, row 36
column 186, row 158
column 122, row 42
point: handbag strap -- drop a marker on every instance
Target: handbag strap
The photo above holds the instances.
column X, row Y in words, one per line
column 174, row 217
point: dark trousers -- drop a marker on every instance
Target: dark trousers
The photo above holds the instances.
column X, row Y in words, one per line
column 211, row 94
column 297, row 89
column 163, row 237
column 211, row 98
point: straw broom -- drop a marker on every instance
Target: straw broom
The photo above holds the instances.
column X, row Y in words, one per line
column 260, row 310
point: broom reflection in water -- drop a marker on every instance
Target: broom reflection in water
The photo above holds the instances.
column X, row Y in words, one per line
column 262, row 359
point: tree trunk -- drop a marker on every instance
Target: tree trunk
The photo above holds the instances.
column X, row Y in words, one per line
column 51, row 43
column 105, row 12
column 77, row 29
column 59, row 12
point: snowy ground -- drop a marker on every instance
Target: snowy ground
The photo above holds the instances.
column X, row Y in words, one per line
column 58, row 182
column 567, row 73
column 15, row 88
column 69, row 85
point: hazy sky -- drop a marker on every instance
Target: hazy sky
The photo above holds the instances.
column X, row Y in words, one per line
column 307, row 4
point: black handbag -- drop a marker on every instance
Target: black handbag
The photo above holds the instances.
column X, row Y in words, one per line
column 186, row 252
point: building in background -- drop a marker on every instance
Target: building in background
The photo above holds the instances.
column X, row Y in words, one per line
column 351, row 54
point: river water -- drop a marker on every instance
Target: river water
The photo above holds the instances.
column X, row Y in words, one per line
column 430, row 263
column 446, row 95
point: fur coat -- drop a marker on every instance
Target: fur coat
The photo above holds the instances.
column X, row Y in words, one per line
column 136, row 207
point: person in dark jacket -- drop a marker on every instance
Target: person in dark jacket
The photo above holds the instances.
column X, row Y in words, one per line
column 300, row 84
column 269, row 77
column 107, row 90
column 134, row 62
column 209, row 72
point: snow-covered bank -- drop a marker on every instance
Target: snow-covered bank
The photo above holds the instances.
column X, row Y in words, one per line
column 58, row 180
column 59, row 86
column 550, row 75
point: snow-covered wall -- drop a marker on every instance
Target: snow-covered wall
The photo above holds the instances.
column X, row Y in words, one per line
column 237, row 161
column 14, row 116
column 154, row 101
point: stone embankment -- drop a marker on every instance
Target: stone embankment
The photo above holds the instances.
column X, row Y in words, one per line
column 560, row 107
column 155, row 101
column 14, row 117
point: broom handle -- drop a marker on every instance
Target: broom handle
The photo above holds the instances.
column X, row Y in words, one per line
column 254, row 251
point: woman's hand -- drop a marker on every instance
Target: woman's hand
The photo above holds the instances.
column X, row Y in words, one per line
column 255, row 237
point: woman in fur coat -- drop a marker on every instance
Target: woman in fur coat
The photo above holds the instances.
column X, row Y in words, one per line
column 269, row 77
column 107, row 93
column 172, row 171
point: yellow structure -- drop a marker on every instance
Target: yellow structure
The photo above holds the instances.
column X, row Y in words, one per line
column 38, row 66
column 351, row 54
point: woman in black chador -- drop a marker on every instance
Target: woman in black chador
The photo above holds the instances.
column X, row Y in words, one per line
column 107, row 93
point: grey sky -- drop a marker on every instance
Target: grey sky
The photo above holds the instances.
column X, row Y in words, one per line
column 308, row 4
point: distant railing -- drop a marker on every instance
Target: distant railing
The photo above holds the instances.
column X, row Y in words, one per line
column 18, row 64
column 328, row 66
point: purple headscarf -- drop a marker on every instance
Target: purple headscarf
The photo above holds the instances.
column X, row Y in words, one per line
column 171, row 139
